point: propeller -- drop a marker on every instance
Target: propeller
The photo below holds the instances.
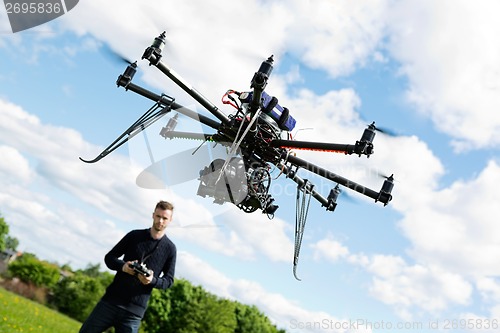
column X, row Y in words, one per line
column 383, row 130
column 115, row 56
column 385, row 176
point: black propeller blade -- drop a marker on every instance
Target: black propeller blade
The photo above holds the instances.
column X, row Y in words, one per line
column 115, row 56
column 384, row 130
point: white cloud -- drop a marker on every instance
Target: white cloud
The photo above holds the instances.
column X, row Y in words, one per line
column 13, row 166
column 328, row 35
column 408, row 288
column 333, row 117
column 268, row 237
column 427, row 287
column 454, row 248
column 456, row 227
column 234, row 233
column 330, row 249
column 489, row 287
column 285, row 313
column 50, row 229
column 447, row 52
column 335, row 36
column 451, row 230
column 216, row 237
column 326, row 112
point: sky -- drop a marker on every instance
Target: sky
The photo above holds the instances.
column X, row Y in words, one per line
column 426, row 70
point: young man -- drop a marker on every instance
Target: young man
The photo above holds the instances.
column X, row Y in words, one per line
column 148, row 262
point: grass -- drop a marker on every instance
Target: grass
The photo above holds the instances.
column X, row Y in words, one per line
column 21, row 315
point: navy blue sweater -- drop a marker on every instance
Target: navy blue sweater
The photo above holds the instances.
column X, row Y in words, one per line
column 126, row 290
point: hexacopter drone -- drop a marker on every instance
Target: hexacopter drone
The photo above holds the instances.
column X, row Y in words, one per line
column 256, row 137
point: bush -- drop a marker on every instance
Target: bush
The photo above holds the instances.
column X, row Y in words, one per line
column 33, row 271
column 77, row 295
column 185, row 308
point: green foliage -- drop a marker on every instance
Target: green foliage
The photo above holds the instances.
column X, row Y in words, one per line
column 185, row 308
column 92, row 270
column 219, row 315
column 158, row 312
column 250, row 319
column 11, row 243
column 195, row 310
column 77, row 295
column 31, row 270
column 4, row 231
column 6, row 241
column 22, row 315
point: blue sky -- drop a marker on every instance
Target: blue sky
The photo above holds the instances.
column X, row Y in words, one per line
column 427, row 70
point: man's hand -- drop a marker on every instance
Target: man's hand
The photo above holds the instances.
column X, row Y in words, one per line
column 127, row 269
column 146, row 279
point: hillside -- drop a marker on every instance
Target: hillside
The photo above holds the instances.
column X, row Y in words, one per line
column 19, row 314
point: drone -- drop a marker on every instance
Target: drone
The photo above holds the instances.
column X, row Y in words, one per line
column 257, row 138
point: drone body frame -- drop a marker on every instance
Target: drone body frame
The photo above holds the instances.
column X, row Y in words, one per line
column 259, row 130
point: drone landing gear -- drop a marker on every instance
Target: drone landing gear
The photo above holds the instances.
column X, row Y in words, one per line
column 158, row 110
column 302, row 209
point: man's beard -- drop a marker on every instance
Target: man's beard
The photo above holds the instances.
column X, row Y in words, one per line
column 158, row 227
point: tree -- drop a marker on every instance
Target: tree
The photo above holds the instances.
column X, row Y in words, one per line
column 185, row 308
column 158, row 312
column 172, row 310
column 11, row 243
column 218, row 315
column 205, row 312
column 6, row 241
column 92, row 270
column 250, row 319
column 4, row 231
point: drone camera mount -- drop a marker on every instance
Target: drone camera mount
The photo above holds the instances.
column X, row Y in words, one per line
column 267, row 205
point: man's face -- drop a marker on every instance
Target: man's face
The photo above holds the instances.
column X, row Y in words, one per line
column 161, row 219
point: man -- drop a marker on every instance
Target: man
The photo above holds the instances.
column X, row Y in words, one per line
column 148, row 262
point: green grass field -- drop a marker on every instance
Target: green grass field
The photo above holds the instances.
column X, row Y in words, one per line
column 18, row 314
